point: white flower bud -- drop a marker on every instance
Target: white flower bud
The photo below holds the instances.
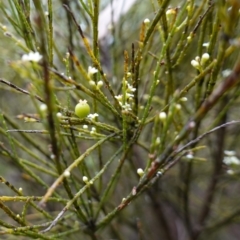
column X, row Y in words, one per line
column 178, row 106
column 162, row 116
column 100, row 84
column 170, row 12
column 59, row 115
column 92, row 83
column 189, row 38
column 140, row 172
column 4, row 28
column 146, row 21
column 158, row 140
column 183, row 99
column 206, row 44
column 195, row 64
column 129, row 74
column 85, row 179
column 189, row 156
column 66, row 173
column 197, row 58
column 43, row 107
column 205, row 58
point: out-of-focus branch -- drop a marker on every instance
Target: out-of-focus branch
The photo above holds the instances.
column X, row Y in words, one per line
column 111, row 15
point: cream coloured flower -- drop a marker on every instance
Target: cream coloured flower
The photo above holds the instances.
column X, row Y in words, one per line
column 91, row 71
column 32, row 56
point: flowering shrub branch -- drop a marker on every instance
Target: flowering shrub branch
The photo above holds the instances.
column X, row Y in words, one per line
column 141, row 121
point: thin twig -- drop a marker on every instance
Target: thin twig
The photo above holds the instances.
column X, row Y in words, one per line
column 20, row 89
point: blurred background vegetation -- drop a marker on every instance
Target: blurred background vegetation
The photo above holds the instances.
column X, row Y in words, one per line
column 196, row 198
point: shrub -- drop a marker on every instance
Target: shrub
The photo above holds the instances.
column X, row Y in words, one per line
column 146, row 151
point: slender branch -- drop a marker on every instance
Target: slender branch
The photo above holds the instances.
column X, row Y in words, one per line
column 20, row 89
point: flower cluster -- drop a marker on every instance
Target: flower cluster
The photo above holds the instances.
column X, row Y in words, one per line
column 97, row 85
column 230, row 158
column 199, row 62
column 129, row 97
column 92, row 116
column 32, row 56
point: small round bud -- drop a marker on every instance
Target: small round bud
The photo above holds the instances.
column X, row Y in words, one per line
column 92, row 83
column 170, row 12
column 178, row 106
column 146, row 21
column 93, row 131
column 140, row 172
column 195, row 63
column 205, row 58
column 93, row 116
column 189, row 38
column 85, row 179
column 59, row 115
column 206, row 44
column 197, row 58
column 162, row 116
column 66, row 173
column 129, row 74
column 189, row 156
column 85, row 126
column 183, row 99
column 100, row 84
column 43, row 107
column 158, row 140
